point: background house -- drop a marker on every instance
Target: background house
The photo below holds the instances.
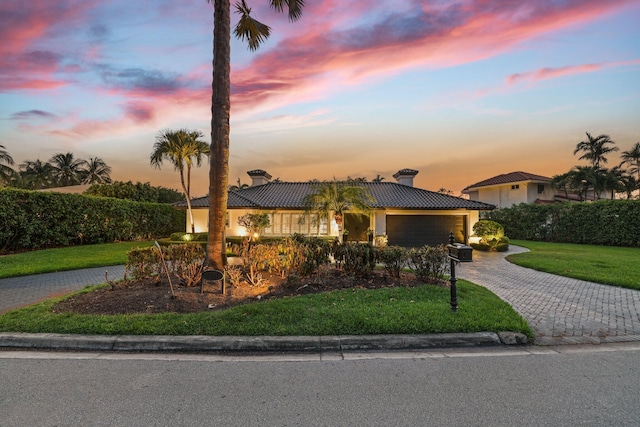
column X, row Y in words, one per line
column 512, row 188
column 408, row 216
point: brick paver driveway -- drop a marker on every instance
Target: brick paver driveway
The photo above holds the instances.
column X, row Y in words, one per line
column 560, row 310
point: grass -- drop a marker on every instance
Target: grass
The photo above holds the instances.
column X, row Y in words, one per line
column 617, row 266
column 419, row 310
column 67, row 258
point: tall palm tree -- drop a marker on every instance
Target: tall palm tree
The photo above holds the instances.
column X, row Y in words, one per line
column 378, row 178
column 182, row 148
column 254, row 32
column 632, row 158
column 96, row 171
column 66, row 170
column 595, row 149
column 5, row 170
column 335, row 198
column 36, row 174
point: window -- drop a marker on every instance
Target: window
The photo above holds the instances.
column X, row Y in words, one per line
column 515, row 186
column 540, row 188
column 284, row 224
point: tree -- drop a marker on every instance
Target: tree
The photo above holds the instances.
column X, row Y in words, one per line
column 66, row 170
column 595, row 149
column 335, row 198
column 254, row 224
column 632, row 158
column 254, row 32
column 238, row 186
column 182, row 148
column 5, row 170
column 96, row 171
column 378, row 178
column 36, row 174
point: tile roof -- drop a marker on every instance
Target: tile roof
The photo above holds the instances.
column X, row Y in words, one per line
column 508, row 178
column 387, row 195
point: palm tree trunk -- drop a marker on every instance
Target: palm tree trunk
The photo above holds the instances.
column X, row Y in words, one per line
column 220, row 111
column 187, row 196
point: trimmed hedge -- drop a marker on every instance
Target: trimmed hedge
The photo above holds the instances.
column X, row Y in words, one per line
column 604, row 222
column 35, row 220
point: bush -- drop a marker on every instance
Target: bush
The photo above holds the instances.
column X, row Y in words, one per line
column 491, row 236
column 394, row 259
column 35, row 220
column 429, row 263
column 604, row 222
column 355, row 259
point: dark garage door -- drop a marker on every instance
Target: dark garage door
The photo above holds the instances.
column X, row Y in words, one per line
column 419, row 230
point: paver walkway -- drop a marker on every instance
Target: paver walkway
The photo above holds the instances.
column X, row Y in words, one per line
column 560, row 310
column 20, row 291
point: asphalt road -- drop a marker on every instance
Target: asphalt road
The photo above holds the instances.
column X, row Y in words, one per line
column 561, row 386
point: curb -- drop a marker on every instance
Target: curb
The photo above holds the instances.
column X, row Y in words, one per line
column 261, row 344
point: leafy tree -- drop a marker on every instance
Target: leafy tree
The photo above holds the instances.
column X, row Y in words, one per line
column 36, row 174
column 595, row 149
column 96, row 171
column 182, row 148
column 632, row 158
column 254, row 32
column 66, row 170
column 335, row 198
column 6, row 172
column 254, row 224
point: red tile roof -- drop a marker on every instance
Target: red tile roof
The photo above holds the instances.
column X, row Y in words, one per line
column 509, row 178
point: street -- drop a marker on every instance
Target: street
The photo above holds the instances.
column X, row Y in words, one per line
column 559, row 386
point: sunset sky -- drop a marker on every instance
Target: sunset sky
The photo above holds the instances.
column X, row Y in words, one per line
column 459, row 90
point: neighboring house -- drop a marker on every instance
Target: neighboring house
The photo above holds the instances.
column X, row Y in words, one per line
column 512, row 188
column 408, row 216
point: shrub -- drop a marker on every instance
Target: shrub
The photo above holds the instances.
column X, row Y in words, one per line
column 35, row 220
column 429, row 263
column 491, row 235
column 394, row 259
column 604, row 222
column 355, row 259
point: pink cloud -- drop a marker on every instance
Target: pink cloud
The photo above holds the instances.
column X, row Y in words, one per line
column 552, row 73
column 323, row 59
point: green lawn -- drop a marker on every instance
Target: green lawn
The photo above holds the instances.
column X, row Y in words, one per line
column 420, row 310
column 67, row 258
column 609, row 265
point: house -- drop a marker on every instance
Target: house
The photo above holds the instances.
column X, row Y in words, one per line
column 512, row 188
column 407, row 215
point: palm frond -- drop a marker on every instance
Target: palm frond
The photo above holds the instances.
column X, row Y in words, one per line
column 249, row 29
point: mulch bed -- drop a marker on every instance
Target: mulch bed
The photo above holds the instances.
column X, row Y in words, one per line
column 153, row 296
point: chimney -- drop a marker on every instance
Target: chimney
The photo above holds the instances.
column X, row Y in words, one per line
column 405, row 176
column 258, row 177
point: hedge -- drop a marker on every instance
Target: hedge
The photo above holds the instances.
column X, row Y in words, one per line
column 35, row 220
column 603, row 222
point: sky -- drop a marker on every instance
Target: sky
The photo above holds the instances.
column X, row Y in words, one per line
column 459, row 90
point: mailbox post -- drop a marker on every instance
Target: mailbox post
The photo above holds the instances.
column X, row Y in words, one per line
column 457, row 253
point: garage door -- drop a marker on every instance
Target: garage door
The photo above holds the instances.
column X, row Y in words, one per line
column 419, row 230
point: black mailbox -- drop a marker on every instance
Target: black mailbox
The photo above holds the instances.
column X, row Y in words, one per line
column 459, row 252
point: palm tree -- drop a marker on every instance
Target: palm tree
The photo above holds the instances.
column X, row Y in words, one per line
column 632, row 158
column 182, row 148
column 378, row 178
column 36, row 174
column 335, row 198
column 238, row 186
column 66, row 170
column 96, row 171
column 629, row 184
column 595, row 149
column 254, row 32
column 5, row 170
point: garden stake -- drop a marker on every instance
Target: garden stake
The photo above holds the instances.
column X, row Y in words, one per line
column 173, row 294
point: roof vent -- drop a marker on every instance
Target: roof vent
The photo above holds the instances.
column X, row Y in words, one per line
column 258, row 177
column 405, row 176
